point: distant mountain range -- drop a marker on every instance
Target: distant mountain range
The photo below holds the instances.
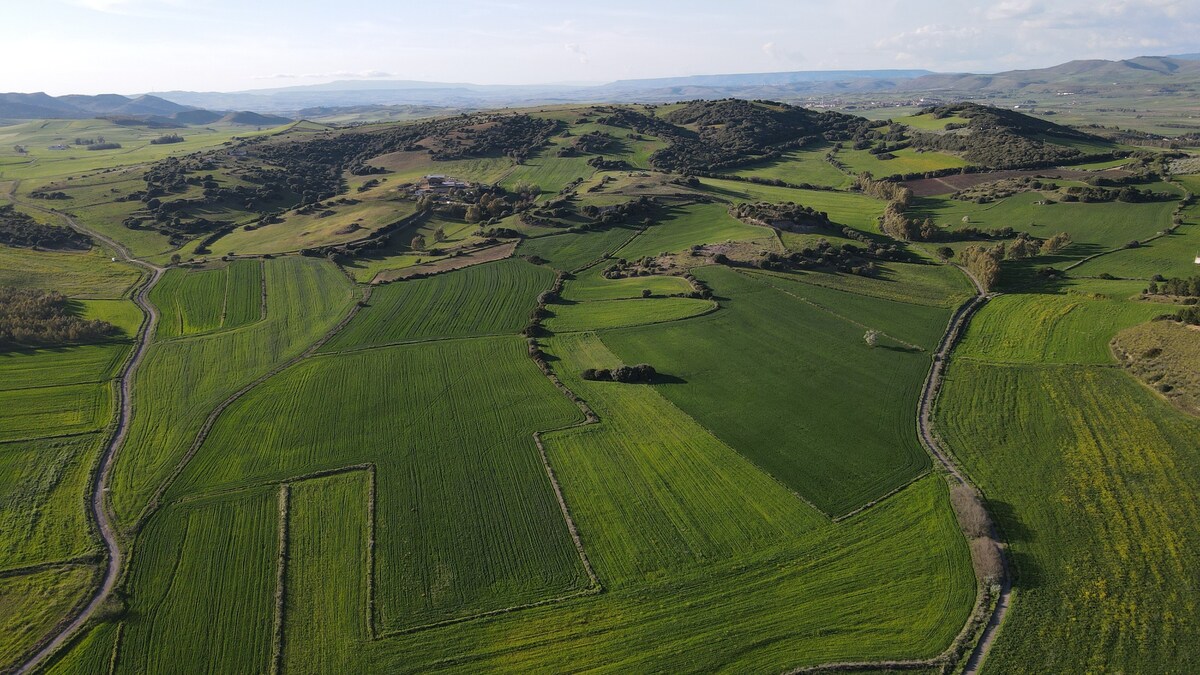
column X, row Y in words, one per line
column 1142, row 75
column 1169, row 73
column 145, row 109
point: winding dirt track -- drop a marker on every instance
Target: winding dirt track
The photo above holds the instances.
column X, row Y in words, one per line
column 112, row 570
column 933, row 384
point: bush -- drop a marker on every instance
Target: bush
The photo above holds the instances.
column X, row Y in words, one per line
column 972, row 517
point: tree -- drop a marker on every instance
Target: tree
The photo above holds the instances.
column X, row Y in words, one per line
column 474, row 214
column 871, row 337
column 646, row 292
column 945, row 252
column 439, row 235
column 175, row 258
column 418, row 243
column 1056, row 243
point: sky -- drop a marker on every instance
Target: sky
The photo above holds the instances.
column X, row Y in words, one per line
column 136, row 46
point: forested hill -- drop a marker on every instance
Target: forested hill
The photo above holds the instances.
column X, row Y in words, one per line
column 1000, row 138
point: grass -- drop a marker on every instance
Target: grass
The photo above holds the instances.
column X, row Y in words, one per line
column 1166, row 356
column 465, row 518
column 570, row 251
column 894, row 583
column 327, row 532
column 690, row 225
column 931, row 285
column 35, row 368
column 844, row 208
column 206, row 571
column 1095, row 485
column 928, row 122
column 814, row 374
column 43, row 485
column 203, row 300
column 1093, row 227
column 719, row 507
column 31, row 604
column 800, row 166
column 908, row 160
column 599, row 314
column 54, row 411
column 305, row 298
column 548, row 172
column 79, row 275
column 1173, row 255
column 591, row 286
column 91, row 655
column 1068, row 328
column 485, row 299
column 296, row 232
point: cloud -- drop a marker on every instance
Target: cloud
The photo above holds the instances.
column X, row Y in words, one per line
column 787, row 56
column 1012, row 9
column 578, row 51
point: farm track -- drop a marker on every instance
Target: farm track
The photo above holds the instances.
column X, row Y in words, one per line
column 112, row 569
column 933, row 385
column 932, row 444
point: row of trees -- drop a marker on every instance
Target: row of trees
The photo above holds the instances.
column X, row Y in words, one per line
column 1180, row 286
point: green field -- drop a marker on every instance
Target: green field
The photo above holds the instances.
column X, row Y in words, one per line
column 194, row 301
column 1098, row 482
column 844, row 208
column 690, row 225
column 800, row 166
column 598, row 314
column 819, row 364
column 908, row 160
column 1093, row 227
column 486, row 299
column 571, row 251
column 305, row 298
column 449, row 542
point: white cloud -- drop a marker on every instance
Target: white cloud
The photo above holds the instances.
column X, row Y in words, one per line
column 578, row 51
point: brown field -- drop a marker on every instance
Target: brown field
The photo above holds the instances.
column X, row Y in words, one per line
column 932, row 187
column 479, row 256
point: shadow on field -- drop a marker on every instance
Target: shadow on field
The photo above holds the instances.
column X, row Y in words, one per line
column 663, row 378
column 904, row 349
column 1028, row 574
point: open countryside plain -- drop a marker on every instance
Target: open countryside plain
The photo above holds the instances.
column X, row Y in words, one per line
column 674, row 425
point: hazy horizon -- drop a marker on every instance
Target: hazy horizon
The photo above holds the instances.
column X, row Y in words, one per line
column 136, row 46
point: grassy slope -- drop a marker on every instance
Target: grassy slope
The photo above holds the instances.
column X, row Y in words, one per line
column 486, row 299
column 195, row 301
column 812, row 374
column 79, row 275
column 600, row 314
column 1093, row 227
column 892, row 583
